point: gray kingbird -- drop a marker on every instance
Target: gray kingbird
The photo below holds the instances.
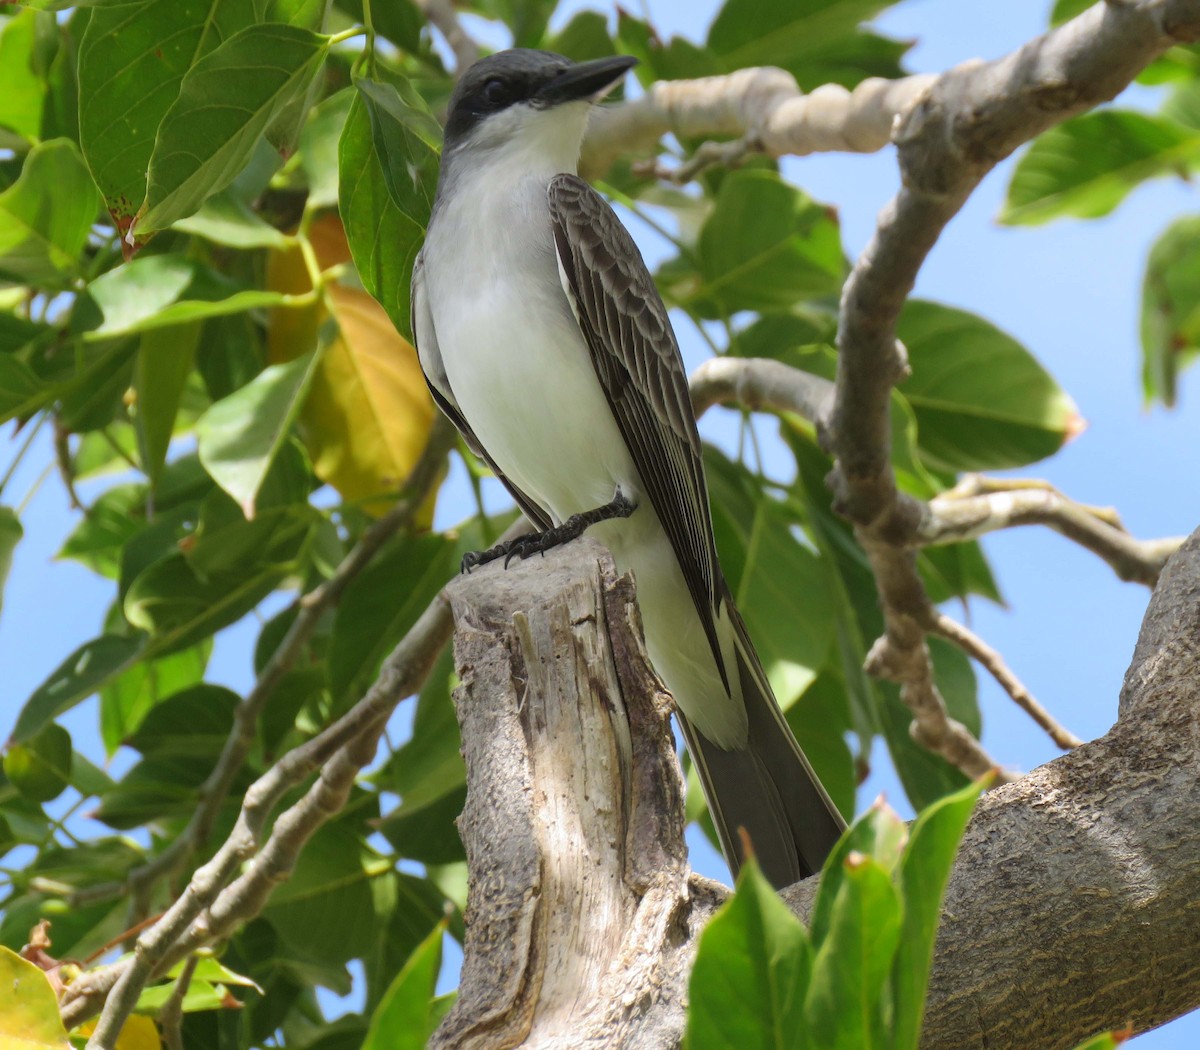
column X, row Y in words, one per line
column 545, row 341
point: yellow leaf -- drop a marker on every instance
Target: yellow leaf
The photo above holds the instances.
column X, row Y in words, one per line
column 137, row 1033
column 28, row 1007
column 367, row 416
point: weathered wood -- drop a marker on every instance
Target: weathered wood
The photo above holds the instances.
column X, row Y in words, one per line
column 1074, row 905
column 580, row 919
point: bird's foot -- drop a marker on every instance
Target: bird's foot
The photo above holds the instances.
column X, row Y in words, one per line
column 621, row 506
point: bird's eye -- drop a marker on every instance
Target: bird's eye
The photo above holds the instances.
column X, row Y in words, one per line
column 493, row 91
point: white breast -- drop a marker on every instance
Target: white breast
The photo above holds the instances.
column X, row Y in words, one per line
column 512, row 350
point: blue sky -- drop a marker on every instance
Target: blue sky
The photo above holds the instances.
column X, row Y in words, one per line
column 1070, row 291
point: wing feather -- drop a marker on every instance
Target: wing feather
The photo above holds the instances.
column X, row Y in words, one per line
column 637, row 360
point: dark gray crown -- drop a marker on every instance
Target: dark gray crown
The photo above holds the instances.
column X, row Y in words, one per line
column 497, row 82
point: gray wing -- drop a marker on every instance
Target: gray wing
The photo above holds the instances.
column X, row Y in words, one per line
column 637, row 360
column 430, row 356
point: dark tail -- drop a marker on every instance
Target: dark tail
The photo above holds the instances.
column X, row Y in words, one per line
column 768, row 787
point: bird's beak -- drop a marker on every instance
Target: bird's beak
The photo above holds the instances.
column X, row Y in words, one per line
column 587, row 80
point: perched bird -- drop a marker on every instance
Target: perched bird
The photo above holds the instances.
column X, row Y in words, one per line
column 545, row 341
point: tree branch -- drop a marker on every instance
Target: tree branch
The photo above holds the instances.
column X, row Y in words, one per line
column 962, row 125
column 209, row 908
column 759, row 384
column 992, row 662
column 309, row 610
column 441, row 15
column 762, row 106
column 979, row 505
column 574, row 818
column 1075, row 885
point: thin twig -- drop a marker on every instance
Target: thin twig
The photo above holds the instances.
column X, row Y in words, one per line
column 707, row 155
column 170, row 1016
column 900, row 655
column 310, row 608
column 345, row 741
column 441, row 15
column 979, row 505
column 992, row 662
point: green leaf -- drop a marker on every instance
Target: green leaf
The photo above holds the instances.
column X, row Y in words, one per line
column 430, row 765
column 180, row 607
column 957, row 570
column 765, row 246
column 180, row 740
column 228, row 220
column 1107, row 1040
column 583, row 38
column 751, row 971
column 164, row 362
column 159, row 291
column 45, row 217
column 845, row 1001
column 956, row 681
column 21, row 392
column 417, row 907
column 10, row 535
column 87, row 778
column 17, row 331
column 777, row 583
column 95, row 395
column 526, row 18
column 327, row 908
column 111, row 521
column 319, row 148
column 926, row 777
column 400, row 21
column 1086, row 166
column 125, row 702
column 923, row 873
column 1170, row 320
column 21, row 89
column 675, row 59
column 1003, row 411
column 132, row 60
column 820, row 720
column 817, row 41
column 241, row 434
column 226, row 101
column 75, row 679
column 381, row 605
column 383, row 239
column 878, row 833
column 405, row 1017
column 428, row 832
column 40, row 768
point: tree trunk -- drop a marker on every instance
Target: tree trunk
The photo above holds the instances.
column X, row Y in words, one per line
column 581, row 920
column 1072, row 907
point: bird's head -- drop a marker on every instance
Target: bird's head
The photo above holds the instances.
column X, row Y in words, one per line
column 528, row 103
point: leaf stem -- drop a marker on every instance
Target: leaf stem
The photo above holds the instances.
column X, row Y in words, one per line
column 345, row 34
column 370, row 28
column 34, row 488
column 16, row 462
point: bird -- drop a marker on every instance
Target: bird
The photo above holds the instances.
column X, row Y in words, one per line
column 543, row 338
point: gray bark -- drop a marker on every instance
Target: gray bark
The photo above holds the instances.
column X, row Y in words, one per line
column 1072, row 907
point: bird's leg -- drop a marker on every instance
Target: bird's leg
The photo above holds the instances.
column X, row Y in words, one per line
column 621, row 506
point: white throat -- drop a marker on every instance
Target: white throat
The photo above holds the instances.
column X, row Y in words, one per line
column 514, row 145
